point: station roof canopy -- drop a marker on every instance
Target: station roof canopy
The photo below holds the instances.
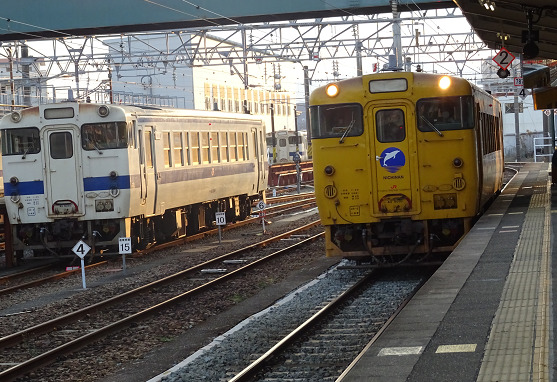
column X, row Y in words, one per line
column 506, row 22
column 32, row 19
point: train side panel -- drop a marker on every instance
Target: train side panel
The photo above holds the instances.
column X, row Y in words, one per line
column 100, row 172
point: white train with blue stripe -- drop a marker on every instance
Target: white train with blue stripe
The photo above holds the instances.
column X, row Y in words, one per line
column 288, row 143
column 78, row 171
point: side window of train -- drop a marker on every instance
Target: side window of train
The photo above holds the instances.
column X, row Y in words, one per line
column 223, row 144
column 390, row 126
column 205, row 158
column 336, row 121
column 167, row 149
column 178, row 148
column 241, row 147
column 61, row 146
column 214, row 142
column 194, row 146
column 232, row 146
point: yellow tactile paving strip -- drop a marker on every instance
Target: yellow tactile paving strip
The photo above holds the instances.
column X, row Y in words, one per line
column 522, row 319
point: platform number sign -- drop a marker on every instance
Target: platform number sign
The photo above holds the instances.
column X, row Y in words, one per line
column 504, row 58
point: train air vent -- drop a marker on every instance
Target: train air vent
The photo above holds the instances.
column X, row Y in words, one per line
column 330, row 191
column 459, row 184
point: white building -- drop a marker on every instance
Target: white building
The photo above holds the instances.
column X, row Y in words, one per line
column 141, row 74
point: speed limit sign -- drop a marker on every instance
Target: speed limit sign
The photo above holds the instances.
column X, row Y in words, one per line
column 220, row 218
column 261, row 205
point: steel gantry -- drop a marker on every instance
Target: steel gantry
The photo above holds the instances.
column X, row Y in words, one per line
column 326, row 49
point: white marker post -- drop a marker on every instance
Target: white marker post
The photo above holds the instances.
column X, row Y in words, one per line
column 261, row 206
column 81, row 249
column 220, row 219
column 124, row 247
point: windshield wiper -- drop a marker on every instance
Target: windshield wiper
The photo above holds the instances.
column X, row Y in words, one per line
column 26, row 151
column 431, row 125
column 94, row 144
column 96, row 148
column 352, row 123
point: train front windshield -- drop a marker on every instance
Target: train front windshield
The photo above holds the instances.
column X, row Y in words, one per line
column 336, row 121
column 21, row 141
column 100, row 136
column 446, row 113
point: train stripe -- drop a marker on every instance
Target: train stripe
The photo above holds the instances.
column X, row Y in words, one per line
column 24, row 188
column 99, row 183
column 123, row 182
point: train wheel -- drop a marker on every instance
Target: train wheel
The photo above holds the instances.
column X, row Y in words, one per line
column 144, row 233
column 193, row 221
column 245, row 208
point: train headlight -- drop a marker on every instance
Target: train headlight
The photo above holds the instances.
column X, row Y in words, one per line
column 103, row 111
column 329, row 170
column 332, row 90
column 15, row 116
column 14, row 181
column 113, row 175
column 445, row 82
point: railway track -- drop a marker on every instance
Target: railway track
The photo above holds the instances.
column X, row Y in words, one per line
column 121, row 311
column 321, row 347
column 313, row 336
column 277, row 206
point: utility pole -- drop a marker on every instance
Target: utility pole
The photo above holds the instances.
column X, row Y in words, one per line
column 397, row 39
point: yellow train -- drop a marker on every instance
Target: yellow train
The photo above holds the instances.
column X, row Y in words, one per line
column 403, row 162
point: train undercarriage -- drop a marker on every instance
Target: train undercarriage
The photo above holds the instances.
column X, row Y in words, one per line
column 57, row 238
column 395, row 241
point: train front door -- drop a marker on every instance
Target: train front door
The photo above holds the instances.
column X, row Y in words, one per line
column 148, row 181
column 64, row 179
column 391, row 136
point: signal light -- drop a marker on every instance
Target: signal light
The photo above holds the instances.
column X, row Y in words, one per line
column 503, row 73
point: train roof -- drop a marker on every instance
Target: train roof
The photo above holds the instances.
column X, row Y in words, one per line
column 135, row 110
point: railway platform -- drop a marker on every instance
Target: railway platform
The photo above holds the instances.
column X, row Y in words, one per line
column 487, row 314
